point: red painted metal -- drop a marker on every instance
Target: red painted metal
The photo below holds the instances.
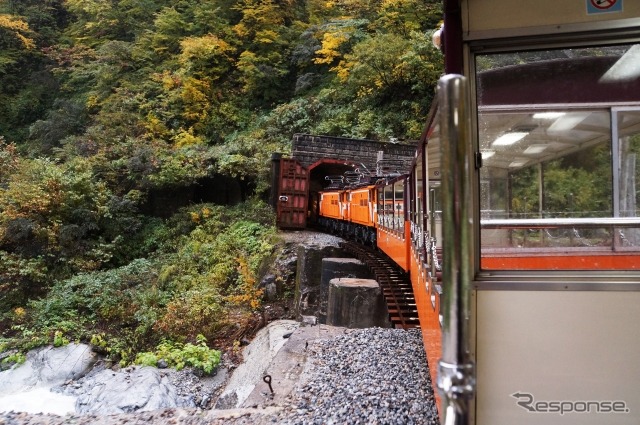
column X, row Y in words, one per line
column 293, row 195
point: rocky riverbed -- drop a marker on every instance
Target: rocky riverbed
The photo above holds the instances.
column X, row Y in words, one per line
column 364, row 376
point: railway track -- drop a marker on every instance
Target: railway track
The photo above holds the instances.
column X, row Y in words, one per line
column 394, row 282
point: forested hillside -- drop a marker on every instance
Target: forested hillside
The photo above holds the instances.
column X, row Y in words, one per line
column 106, row 102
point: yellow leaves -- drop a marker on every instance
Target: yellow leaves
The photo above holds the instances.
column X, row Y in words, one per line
column 208, row 47
column 18, row 27
column 266, row 36
column 342, row 70
column 365, row 91
column 241, row 30
column 186, row 138
column 200, row 216
column 155, row 126
column 247, row 65
column 331, row 43
column 249, row 294
column 93, row 101
column 169, row 80
column 259, row 16
column 195, row 94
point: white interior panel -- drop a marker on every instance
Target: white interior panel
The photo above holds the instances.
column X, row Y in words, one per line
column 483, row 15
column 571, row 347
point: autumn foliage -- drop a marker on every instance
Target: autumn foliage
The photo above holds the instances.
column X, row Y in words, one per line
column 104, row 105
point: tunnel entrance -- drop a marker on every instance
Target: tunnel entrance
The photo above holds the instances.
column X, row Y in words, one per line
column 318, row 182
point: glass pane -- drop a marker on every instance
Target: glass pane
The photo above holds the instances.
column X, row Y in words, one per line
column 398, row 189
column 533, row 170
column 435, row 211
column 629, row 175
column 388, row 206
column 380, row 207
column 419, row 199
column 547, row 192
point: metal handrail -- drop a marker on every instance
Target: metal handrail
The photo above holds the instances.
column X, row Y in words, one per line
column 456, row 370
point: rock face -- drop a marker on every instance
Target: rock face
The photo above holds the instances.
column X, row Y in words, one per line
column 130, row 390
column 47, row 367
column 257, row 357
column 308, row 290
column 73, row 379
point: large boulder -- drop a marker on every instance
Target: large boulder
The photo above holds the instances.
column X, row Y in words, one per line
column 47, row 367
column 133, row 389
column 308, row 296
column 256, row 358
column 356, row 303
column 334, row 268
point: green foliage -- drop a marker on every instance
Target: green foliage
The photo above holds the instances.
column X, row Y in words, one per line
column 16, row 358
column 52, row 215
column 179, row 356
column 201, row 282
column 113, row 300
column 571, row 187
column 59, row 339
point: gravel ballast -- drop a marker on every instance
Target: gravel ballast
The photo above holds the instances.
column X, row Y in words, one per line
column 366, row 376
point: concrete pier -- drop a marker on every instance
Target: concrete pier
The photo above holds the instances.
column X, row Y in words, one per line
column 334, row 268
column 356, row 303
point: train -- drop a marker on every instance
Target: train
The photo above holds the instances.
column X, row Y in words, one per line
column 518, row 221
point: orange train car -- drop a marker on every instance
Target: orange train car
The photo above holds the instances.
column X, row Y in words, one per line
column 349, row 210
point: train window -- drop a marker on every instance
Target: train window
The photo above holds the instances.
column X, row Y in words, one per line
column 559, row 163
column 380, row 207
column 398, row 205
column 416, row 206
column 628, row 137
column 388, row 206
column 435, row 211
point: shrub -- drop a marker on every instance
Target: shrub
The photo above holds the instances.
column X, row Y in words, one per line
column 124, row 302
column 179, row 356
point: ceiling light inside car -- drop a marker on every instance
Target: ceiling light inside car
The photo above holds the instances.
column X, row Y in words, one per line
column 535, row 149
column 509, row 138
column 518, row 163
column 567, row 122
column 549, row 115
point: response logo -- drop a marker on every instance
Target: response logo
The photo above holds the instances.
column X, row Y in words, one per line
column 528, row 402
